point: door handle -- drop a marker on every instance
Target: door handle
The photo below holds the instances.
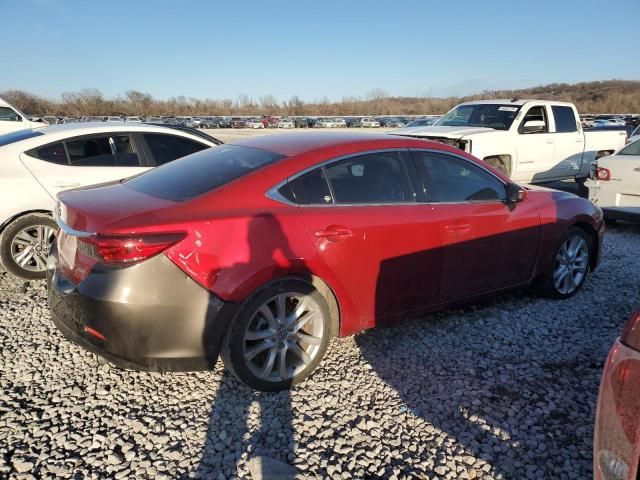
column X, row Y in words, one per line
column 458, row 227
column 334, row 233
column 65, row 185
column 636, row 169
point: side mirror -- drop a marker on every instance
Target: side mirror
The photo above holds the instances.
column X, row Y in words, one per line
column 515, row 193
column 534, row 126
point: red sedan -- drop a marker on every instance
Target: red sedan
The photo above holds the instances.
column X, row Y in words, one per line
column 616, row 449
column 263, row 249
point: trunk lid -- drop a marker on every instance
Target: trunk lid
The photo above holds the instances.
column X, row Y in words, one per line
column 98, row 209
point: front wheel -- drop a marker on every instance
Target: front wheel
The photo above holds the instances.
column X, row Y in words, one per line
column 278, row 337
column 25, row 245
column 570, row 264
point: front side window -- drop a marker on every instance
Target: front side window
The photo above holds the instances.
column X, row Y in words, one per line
column 166, row 148
column 8, row 115
column 536, row 114
column 631, row 149
column 496, row 116
column 370, row 178
column 108, row 151
column 565, row 119
column 454, row 180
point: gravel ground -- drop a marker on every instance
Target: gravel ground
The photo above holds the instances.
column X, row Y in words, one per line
column 503, row 389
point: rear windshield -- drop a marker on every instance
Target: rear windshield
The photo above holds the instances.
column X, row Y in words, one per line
column 13, row 137
column 201, row 172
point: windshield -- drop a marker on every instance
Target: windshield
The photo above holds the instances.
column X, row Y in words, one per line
column 496, row 116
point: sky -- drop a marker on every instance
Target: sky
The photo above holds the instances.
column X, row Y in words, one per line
column 313, row 49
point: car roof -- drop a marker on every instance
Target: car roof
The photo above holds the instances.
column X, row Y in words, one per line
column 517, row 101
column 290, row 144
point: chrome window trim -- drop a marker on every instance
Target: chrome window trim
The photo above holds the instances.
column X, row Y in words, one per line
column 273, row 193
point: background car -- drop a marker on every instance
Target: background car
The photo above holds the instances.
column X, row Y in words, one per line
column 237, row 122
column 133, row 119
column 253, row 123
column 240, row 254
column 616, row 444
column 340, row 122
column 616, row 188
column 38, row 164
column 369, row 122
column 301, row 122
column 113, row 119
column 324, row 123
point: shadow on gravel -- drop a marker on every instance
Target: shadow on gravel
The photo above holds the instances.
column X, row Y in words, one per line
column 248, row 426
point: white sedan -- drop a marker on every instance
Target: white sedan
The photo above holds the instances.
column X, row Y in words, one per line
column 254, row 123
column 369, row 122
column 617, row 188
column 39, row 163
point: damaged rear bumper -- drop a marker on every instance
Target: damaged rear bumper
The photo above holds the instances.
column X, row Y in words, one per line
column 149, row 316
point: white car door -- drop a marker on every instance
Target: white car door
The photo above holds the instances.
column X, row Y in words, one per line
column 568, row 141
column 82, row 161
column 535, row 147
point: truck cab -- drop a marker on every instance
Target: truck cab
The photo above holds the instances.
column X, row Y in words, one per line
column 532, row 141
column 12, row 119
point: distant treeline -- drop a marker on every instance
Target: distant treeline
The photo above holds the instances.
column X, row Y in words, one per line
column 611, row 96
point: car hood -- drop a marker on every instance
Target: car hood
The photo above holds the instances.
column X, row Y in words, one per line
column 447, row 132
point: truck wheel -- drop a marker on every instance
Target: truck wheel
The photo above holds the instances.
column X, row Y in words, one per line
column 500, row 162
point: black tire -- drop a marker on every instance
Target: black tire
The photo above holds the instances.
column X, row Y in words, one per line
column 548, row 287
column 232, row 349
column 10, row 233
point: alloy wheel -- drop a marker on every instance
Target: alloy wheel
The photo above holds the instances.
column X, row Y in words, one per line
column 283, row 337
column 30, row 247
column 571, row 263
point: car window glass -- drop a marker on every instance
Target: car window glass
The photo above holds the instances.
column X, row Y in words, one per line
column 371, row 178
column 16, row 136
column 311, row 188
column 537, row 113
column 166, row 148
column 201, row 172
column 565, row 119
column 53, row 153
column 631, row 149
column 452, row 179
column 8, row 115
column 109, row 151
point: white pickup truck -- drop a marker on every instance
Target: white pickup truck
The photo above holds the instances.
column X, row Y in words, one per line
column 12, row 119
column 532, row 141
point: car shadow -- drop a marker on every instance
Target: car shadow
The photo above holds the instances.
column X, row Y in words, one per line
column 249, row 431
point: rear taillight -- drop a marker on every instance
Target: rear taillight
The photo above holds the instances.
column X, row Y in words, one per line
column 631, row 334
column 127, row 249
column 603, row 174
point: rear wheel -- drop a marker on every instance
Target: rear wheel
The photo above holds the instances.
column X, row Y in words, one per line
column 570, row 266
column 278, row 337
column 25, row 245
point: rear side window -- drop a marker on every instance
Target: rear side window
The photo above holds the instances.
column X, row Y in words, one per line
column 166, row 148
column 311, row 188
column 454, row 180
column 8, row 115
column 53, row 153
column 370, row 178
column 109, row 151
column 565, row 119
column 202, row 172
